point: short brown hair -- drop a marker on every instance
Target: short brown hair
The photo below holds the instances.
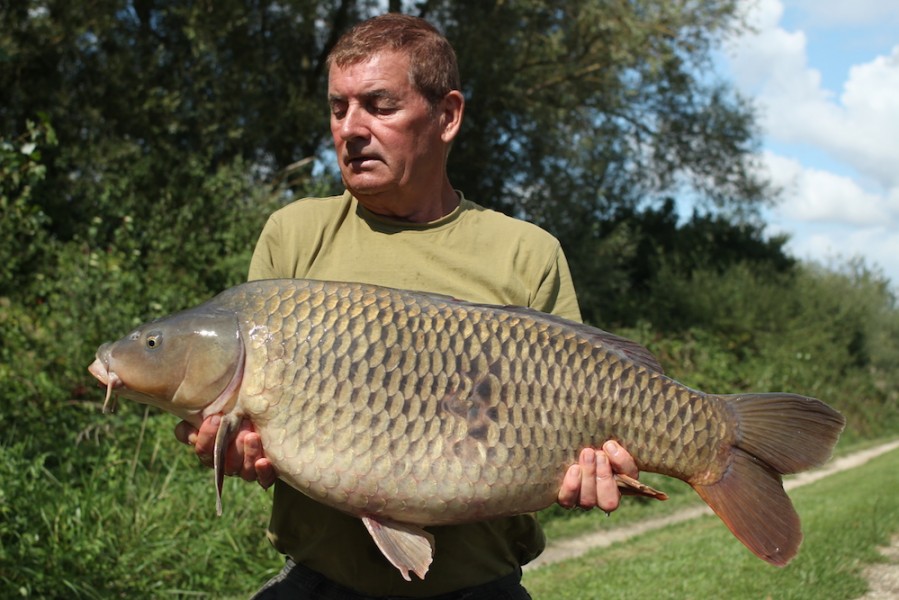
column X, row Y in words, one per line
column 433, row 69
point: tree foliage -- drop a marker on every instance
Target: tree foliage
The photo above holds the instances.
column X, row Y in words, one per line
column 582, row 107
column 586, row 107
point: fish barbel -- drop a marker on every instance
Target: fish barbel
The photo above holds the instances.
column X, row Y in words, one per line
column 408, row 409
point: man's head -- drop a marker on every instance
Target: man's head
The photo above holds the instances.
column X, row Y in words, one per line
column 395, row 110
column 433, row 69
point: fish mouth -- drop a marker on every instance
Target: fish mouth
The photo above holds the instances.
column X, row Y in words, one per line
column 100, row 370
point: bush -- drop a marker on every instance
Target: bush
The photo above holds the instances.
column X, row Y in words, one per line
column 97, row 507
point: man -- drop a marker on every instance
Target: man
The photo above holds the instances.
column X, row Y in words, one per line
column 396, row 107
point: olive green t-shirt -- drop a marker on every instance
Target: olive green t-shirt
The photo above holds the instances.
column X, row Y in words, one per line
column 472, row 254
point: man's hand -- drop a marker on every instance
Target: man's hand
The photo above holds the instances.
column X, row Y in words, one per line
column 244, row 458
column 591, row 482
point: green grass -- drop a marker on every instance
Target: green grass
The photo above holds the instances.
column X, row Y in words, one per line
column 845, row 518
column 139, row 524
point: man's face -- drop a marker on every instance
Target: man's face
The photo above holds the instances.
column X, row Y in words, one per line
column 387, row 138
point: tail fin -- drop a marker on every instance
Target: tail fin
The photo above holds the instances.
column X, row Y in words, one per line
column 776, row 434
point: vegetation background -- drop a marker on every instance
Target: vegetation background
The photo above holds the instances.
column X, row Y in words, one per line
column 144, row 142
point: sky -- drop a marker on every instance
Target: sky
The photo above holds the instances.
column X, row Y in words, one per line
column 824, row 76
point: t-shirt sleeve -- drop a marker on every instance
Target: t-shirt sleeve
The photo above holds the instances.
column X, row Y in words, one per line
column 555, row 293
column 262, row 265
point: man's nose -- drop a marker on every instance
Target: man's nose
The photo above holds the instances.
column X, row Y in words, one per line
column 354, row 124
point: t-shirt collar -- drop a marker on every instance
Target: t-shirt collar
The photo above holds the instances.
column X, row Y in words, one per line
column 386, row 223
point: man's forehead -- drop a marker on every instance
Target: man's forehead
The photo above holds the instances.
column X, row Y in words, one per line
column 382, row 74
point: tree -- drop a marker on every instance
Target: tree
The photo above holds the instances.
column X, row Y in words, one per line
column 575, row 107
column 599, row 104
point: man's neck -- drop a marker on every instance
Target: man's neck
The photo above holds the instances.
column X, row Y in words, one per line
column 414, row 208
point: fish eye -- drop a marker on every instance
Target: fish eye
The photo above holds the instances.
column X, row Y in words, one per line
column 153, row 341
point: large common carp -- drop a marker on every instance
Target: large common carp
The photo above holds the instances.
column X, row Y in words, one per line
column 408, row 409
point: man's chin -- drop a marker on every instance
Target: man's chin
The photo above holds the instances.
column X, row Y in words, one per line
column 361, row 187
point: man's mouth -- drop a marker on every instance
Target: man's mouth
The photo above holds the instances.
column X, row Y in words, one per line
column 359, row 161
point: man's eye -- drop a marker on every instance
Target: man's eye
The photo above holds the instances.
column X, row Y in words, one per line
column 338, row 109
column 383, row 109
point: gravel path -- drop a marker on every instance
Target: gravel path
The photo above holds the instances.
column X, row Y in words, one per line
column 882, row 578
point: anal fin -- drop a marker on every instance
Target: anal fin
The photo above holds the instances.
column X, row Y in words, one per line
column 407, row 547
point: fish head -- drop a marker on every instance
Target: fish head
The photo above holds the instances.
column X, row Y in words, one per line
column 189, row 364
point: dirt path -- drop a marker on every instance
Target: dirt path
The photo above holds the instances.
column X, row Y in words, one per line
column 883, row 578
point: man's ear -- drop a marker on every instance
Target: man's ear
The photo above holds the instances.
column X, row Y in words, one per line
column 451, row 108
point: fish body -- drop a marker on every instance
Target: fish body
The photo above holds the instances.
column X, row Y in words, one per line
column 408, row 409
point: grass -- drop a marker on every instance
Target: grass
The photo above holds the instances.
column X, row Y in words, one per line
column 126, row 527
column 846, row 517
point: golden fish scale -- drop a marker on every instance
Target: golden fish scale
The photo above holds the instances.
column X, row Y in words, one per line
column 425, row 409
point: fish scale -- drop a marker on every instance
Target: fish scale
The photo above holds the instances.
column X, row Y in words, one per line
column 419, row 374
column 409, row 410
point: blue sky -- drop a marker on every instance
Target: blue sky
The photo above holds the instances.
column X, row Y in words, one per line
column 825, row 77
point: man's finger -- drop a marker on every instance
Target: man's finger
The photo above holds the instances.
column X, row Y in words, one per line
column 252, row 452
column 205, row 443
column 571, row 487
column 186, row 433
column 606, row 488
column 621, row 461
column 588, row 464
column 265, row 473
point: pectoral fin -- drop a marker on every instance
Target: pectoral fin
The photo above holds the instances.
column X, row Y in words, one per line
column 226, row 432
column 407, row 547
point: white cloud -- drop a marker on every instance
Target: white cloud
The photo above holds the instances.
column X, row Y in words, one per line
column 860, row 126
column 768, row 57
column 870, row 127
column 830, row 218
column 878, row 247
column 841, row 181
column 857, row 12
column 814, row 195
